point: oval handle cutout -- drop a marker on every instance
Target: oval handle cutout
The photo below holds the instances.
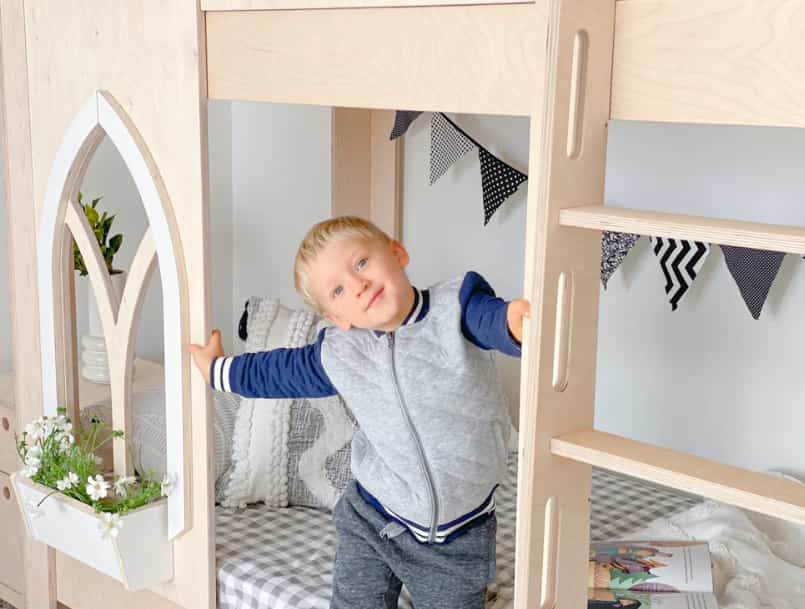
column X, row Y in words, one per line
column 578, row 84
column 561, row 347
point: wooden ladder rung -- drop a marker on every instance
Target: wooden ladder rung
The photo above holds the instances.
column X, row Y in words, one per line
column 756, row 235
column 764, row 493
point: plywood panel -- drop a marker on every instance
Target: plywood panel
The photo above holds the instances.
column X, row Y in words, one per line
column 720, row 61
column 150, row 58
column 367, row 167
column 251, row 5
column 485, row 59
column 566, row 165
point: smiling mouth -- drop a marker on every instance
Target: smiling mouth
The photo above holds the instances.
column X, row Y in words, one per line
column 377, row 295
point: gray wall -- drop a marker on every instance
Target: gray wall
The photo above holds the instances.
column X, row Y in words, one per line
column 706, row 378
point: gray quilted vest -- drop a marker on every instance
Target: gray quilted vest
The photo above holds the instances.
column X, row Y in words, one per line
column 434, row 425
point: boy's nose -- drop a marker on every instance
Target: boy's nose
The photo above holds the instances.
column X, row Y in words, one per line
column 363, row 285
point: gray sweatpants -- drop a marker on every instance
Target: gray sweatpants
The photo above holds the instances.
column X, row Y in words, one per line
column 370, row 569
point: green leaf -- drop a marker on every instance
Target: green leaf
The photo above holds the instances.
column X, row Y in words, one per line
column 92, row 215
column 95, row 202
column 115, row 243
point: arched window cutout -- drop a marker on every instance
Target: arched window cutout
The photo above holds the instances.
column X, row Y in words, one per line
column 100, row 115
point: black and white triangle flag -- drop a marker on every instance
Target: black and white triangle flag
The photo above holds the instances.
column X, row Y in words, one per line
column 447, row 145
column 680, row 261
column 499, row 180
column 614, row 247
column 754, row 272
column 402, row 120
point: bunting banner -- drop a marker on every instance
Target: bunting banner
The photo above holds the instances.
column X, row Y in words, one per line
column 614, row 248
column 447, row 145
column 499, row 181
column 680, row 261
column 753, row 271
column 402, row 120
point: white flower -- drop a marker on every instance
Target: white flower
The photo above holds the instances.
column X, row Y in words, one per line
column 33, row 430
column 110, row 525
column 33, row 509
column 97, row 488
column 68, row 482
column 66, row 441
column 168, row 483
column 122, row 485
column 32, row 465
column 29, row 471
column 98, row 461
column 33, row 453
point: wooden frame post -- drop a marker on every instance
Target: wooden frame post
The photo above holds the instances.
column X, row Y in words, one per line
column 567, row 161
column 367, row 167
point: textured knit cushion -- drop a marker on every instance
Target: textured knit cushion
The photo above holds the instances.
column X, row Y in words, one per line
column 287, row 451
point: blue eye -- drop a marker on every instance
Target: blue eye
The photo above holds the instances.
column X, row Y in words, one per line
column 338, row 291
column 361, row 263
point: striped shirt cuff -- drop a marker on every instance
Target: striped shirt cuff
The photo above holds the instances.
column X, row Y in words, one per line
column 219, row 373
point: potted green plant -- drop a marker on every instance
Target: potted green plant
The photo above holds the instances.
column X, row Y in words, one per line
column 117, row 525
column 94, row 360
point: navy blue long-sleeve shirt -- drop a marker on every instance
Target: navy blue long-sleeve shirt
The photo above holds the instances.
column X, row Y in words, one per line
column 298, row 372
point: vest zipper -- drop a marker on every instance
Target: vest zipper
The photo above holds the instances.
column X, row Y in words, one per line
column 428, row 476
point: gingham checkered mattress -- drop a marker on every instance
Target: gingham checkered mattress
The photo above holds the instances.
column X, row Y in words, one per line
column 283, row 559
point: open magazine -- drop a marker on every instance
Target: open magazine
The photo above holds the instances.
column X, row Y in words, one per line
column 650, row 575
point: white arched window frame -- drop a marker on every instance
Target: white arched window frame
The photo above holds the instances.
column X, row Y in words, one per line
column 100, row 115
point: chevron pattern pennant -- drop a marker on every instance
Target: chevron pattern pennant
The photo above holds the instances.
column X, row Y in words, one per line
column 447, row 145
column 614, row 248
column 754, row 271
column 499, row 181
column 680, row 261
column 402, row 120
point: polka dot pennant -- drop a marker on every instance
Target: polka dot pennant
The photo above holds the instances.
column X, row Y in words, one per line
column 499, row 181
column 402, row 120
column 447, row 145
column 753, row 271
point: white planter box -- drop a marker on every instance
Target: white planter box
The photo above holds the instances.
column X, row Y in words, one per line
column 139, row 557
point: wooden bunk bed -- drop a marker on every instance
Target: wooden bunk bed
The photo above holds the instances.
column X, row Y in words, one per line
column 570, row 65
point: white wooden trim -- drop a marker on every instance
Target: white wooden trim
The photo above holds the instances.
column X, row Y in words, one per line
column 79, row 132
column 101, row 114
column 154, row 198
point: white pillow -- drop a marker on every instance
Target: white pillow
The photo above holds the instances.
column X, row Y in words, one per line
column 287, row 451
column 148, row 438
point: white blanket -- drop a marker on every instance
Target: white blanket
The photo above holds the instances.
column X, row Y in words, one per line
column 758, row 561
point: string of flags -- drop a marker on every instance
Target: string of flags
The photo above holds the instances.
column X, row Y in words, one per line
column 449, row 143
column 680, row 260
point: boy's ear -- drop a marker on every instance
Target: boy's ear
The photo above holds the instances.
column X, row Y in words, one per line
column 344, row 325
column 400, row 253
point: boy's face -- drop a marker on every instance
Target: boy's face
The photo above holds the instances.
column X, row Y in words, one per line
column 361, row 282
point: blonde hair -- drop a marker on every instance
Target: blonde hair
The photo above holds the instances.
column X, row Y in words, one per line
column 321, row 235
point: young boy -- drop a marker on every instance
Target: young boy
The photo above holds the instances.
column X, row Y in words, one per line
column 415, row 369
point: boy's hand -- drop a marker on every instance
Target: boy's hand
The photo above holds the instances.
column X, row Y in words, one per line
column 203, row 356
column 515, row 312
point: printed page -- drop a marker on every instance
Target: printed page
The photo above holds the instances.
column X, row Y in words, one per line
column 650, row 566
column 622, row 599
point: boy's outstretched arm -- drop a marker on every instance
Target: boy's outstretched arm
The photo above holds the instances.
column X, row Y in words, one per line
column 279, row 373
column 203, row 355
column 516, row 311
column 489, row 321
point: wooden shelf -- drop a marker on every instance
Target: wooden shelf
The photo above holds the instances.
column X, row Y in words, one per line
column 754, row 491
column 756, row 235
